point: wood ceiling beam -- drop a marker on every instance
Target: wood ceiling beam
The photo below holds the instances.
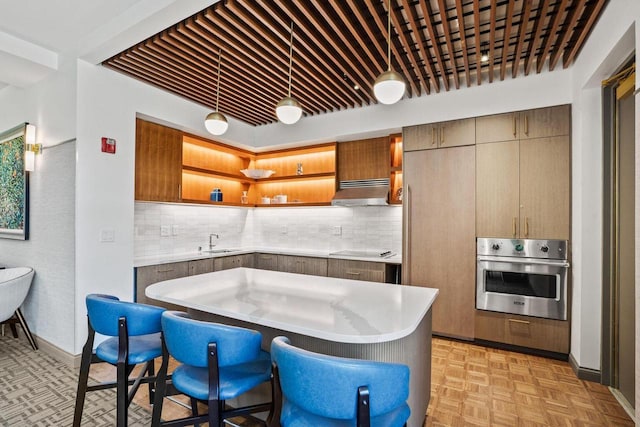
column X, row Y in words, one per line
column 506, row 39
column 382, row 28
column 408, row 44
column 421, row 41
column 476, row 27
column 572, row 51
column 359, row 14
column 264, row 47
column 524, row 22
column 306, row 18
column 463, row 40
column 447, row 35
column 551, row 35
column 492, row 39
column 568, row 29
column 537, row 37
column 427, row 14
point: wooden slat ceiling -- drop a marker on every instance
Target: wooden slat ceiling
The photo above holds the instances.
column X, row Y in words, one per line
column 340, row 47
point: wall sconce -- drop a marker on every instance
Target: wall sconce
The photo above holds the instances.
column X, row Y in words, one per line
column 31, row 148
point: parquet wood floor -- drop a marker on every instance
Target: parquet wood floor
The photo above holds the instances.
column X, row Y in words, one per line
column 473, row 385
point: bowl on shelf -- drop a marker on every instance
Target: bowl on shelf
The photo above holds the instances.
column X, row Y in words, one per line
column 257, row 173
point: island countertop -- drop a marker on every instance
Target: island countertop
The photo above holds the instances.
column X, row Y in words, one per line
column 339, row 310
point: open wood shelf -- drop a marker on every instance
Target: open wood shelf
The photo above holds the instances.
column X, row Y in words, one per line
column 298, row 177
column 216, row 174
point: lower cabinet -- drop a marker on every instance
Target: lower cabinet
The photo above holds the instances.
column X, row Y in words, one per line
column 266, row 261
column 302, row 265
column 151, row 274
column 361, row 270
column 524, row 331
column 233, row 261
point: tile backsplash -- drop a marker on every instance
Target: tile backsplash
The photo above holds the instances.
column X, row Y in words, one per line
column 165, row 229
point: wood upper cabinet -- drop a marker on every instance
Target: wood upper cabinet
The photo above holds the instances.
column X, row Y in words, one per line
column 364, row 159
column 536, row 123
column 452, row 133
column 497, row 127
column 544, row 188
column 498, row 189
column 158, row 162
column 545, row 122
column 420, row 137
column 439, row 233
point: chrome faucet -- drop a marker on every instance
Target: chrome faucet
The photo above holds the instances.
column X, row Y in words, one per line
column 211, row 244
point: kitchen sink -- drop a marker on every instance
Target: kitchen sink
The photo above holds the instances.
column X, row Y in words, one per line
column 218, row 251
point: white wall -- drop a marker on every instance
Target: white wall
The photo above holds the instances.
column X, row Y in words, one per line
column 50, row 105
column 611, row 43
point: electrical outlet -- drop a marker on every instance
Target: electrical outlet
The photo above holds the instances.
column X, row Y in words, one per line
column 165, row 230
column 336, row 230
column 174, row 230
column 284, row 229
column 107, row 235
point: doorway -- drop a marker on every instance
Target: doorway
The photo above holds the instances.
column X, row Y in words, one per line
column 618, row 357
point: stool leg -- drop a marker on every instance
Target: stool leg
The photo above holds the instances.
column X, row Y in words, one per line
column 87, row 352
column 151, row 372
column 122, row 368
column 25, row 328
column 161, row 384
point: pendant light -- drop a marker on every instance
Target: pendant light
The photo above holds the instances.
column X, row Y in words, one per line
column 216, row 123
column 288, row 109
column 389, row 86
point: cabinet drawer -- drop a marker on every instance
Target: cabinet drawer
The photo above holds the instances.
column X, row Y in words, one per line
column 302, row 265
column 234, row 261
column 151, row 274
column 490, row 326
column 200, row 266
column 357, row 270
column 266, row 261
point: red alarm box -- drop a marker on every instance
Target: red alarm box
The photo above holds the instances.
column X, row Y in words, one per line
column 108, row 145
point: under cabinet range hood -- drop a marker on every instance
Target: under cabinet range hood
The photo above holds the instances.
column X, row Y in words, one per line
column 366, row 192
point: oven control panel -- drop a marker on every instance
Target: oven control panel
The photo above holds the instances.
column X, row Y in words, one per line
column 524, row 248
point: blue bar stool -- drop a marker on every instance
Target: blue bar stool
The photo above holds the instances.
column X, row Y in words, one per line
column 134, row 331
column 217, row 363
column 317, row 390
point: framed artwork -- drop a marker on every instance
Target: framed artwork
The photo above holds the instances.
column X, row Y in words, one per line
column 14, row 185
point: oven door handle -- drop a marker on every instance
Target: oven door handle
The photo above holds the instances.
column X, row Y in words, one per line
column 536, row 261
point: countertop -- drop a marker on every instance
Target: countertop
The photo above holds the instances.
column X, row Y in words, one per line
column 339, row 310
column 188, row 256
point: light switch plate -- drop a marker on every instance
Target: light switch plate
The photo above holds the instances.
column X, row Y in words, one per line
column 107, row 235
column 165, row 230
column 174, row 230
column 336, row 230
column 284, row 229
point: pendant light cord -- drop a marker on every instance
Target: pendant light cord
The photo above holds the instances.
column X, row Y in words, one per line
column 290, row 58
column 389, row 36
column 218, row 82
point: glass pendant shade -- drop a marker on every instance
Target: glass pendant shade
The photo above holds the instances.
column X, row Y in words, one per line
column 216, row 123
column 288, row 110
column 389, row 87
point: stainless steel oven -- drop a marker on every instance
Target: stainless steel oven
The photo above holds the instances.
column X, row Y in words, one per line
column 522, row 276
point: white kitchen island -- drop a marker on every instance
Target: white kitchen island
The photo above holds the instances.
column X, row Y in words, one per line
column 349, row 318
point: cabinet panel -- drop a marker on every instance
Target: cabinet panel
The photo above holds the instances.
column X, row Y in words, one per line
column 148, row 275
column 363, row 159
column 266, row 261
column 544, row 188
column 200, row 266
column 534, row 332
column 496, row 128
column 457, row 132
column 234, row 261
column 490, row 326
column 545, row 122
column 357, row 270
column 497, row 189
column 440, row 213
column 158, row 174
column 421, row 137
column 302, row 265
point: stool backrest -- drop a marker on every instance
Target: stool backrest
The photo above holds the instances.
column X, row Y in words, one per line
column 187, row 340
column 14, row 286
column 105, row 310
column 327, row 385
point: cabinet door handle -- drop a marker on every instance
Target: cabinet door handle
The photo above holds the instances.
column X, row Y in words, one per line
column 526, row 226
column 165, row 271
column 523, row 322
column 442, row 135
column 179, row 191
column 407, row 240
column 353, row 273
column 514, row 124
column 526, row 125
column 433, row 136
column 513, row 226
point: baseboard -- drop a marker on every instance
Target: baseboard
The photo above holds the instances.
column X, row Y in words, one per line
column 524, row 350
column 586, row 374
column 57, row 353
